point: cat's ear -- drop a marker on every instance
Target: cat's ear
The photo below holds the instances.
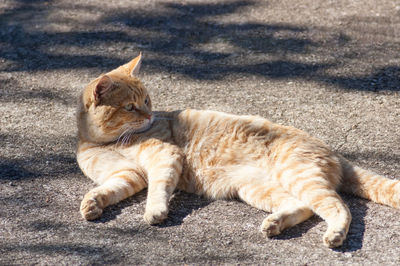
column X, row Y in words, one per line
column 104, row 85
column 133, row 66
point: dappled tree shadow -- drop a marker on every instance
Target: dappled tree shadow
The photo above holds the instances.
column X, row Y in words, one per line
column 386, row 78
column 9, row 93
column 86, row 252
column 182, row 39
column 389, row 158
column 37, row 162
column 38, row 165
column 31, row 50
column 14, row 170
column 191, row 41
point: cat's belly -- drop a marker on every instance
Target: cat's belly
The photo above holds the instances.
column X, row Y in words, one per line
column 213, row 142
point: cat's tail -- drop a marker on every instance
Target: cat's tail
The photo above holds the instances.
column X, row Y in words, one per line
column 369, row 185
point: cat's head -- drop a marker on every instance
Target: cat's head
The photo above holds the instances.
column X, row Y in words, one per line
column 114, row 103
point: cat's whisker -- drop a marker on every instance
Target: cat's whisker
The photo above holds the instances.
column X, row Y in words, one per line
column 162, row 118
column 119, row 138
column 130, row 136
column 122, row 135
column 126, row 138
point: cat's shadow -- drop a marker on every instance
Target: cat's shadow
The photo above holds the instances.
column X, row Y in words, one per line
column 358, row 208
column 183, row 204
column 354, row 240
column 111, row 212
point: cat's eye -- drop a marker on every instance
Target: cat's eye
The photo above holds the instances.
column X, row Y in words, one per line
column 129, row 107
column 146, row 101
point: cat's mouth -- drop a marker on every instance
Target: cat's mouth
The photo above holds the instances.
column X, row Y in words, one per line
column 132, row 130
column 146, row 126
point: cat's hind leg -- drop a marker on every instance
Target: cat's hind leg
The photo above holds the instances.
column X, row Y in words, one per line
column 252, row 185
column 315, row 187
column 269, row 196
column 288, row 214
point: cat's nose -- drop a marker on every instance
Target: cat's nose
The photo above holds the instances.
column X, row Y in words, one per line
column 145, row 113
column 148, row 116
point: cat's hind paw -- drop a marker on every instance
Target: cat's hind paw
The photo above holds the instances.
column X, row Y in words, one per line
column 90, row 209
column 271, row 226
column 334, row 239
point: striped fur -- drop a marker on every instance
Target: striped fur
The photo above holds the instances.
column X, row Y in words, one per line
column 275, row 168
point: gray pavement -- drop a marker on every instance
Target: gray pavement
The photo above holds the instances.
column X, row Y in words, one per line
column 331, row 68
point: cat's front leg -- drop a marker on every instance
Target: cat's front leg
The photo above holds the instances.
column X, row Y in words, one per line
column 163, row 163
column 117, row 179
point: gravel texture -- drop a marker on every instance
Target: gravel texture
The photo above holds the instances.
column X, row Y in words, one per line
column 331, row 68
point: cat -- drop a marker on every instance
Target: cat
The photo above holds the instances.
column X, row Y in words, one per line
column 125, row 147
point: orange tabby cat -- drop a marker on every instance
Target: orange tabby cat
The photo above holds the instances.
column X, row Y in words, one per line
column 124, row 147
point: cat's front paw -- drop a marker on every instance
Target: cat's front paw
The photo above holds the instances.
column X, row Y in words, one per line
column 155, row 215
column 91, row 207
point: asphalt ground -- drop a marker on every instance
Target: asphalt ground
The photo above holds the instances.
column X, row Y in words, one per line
column 331, row 68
